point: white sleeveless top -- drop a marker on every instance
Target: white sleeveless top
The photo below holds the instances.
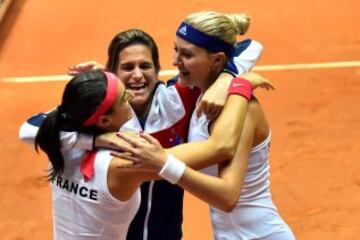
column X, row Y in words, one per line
column 86, row 210
column 256, row 182
column 255, row 215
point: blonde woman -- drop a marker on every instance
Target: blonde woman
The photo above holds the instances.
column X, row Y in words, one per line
column 238, row 190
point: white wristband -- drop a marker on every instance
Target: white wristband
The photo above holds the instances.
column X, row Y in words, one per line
column 172, row 170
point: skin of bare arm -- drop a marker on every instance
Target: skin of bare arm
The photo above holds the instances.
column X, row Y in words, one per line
column 111, row 141
column 76, row 69
column 123, row 184
column 219, row 192
column 223, row 192
column 221, row 145
column 214, row 98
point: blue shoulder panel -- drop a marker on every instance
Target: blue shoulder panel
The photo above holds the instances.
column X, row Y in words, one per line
column 37, row 119
column 239, row 48
column 172, row 81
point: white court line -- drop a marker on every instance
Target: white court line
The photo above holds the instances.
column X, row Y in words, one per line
column 173, row 72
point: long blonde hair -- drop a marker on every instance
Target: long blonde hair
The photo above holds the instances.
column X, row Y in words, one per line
column 223, row 26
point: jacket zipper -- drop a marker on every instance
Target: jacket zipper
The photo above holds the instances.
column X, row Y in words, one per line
column 145, row 234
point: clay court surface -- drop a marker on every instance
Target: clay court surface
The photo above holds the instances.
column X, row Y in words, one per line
column 315, row 112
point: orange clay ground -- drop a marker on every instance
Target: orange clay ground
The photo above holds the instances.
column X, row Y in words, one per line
column 314, row 113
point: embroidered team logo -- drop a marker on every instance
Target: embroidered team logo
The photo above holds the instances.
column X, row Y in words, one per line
column 183, row 30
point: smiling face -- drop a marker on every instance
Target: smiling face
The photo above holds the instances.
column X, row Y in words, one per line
column 137, row 71
column 195, row 64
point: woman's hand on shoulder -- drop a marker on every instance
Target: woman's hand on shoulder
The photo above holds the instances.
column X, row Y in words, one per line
column 145, row 152
column 256, row 80
column 214, row 99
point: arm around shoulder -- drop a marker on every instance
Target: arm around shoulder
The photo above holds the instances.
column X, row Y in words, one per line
column 30, row 127
column 222, row 142
column 223, row 191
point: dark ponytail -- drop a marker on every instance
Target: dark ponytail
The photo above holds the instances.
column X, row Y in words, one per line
column 48, row 139
column 81, row 97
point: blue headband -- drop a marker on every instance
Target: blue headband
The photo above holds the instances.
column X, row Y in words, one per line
column 211, row 43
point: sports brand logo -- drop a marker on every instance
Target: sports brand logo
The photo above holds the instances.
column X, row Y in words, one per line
column 238, row 85
column 183, row 30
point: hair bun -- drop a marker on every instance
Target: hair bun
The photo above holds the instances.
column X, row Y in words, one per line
column 241, row 22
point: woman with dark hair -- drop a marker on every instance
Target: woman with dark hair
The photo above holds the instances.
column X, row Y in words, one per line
column 98, row 204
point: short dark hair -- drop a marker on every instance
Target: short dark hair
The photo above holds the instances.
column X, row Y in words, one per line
column 128, row 38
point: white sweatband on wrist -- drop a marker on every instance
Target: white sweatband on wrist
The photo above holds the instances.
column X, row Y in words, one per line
column 172, row 170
